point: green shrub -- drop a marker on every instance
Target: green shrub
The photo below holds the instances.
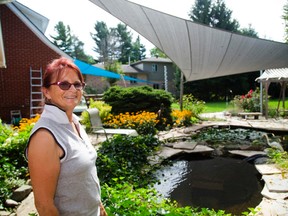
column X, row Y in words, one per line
column 104, row 110
column 193, row 104
column 140, row 98
column 272, row 113
column 13, row 165
column 124, row 199
column 126, row 156
column 279, row 158
column 5, row 132
column 10, row 179
column 249, row 102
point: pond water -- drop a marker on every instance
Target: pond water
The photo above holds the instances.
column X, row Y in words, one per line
column 217, row 183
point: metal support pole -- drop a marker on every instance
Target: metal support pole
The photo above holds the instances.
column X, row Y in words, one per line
column 261, row 93
column 165, row 78
column 181, row 91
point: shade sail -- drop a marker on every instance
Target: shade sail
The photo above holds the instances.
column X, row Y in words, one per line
column 95, row 71
column 200, row 51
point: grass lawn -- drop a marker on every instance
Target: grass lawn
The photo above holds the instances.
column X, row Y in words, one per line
column 211, row 107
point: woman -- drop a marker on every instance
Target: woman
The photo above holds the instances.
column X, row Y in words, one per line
column 61, row 159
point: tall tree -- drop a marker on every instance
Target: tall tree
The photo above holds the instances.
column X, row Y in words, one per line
column 156, row 52
column 214, row 15
column 78, row 51
column 249, row 31
column 104, row 40
column 138, row 50
column 70, row 44
column 221, row 17
column 200, row 12
column 124, row 38
column 116, row 44
column 113, row 66
column 63, row 39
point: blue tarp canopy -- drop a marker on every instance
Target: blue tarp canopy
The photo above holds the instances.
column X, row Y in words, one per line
column 95, row 71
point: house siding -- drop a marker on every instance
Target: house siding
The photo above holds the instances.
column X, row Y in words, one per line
column 23, row 49
column 158, row 76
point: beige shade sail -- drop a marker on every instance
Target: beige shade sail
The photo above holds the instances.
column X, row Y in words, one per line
column 200, row 51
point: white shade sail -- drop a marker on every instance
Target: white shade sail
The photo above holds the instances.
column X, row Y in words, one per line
column 200, row 51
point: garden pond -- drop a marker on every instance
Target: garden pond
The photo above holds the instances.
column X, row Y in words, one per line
column 217, row 180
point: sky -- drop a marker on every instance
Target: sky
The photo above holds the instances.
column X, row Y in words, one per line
column 265, row 16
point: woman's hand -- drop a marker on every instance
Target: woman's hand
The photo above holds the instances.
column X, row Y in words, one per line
column 102, row 210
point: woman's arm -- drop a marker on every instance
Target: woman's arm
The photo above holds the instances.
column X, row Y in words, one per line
column 44, row 167
column 102, row 210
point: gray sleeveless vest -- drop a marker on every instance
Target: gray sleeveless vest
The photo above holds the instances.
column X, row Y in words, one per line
column 78, row 190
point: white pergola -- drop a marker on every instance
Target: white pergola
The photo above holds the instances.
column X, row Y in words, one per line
column 274, row 75
column 200, row 51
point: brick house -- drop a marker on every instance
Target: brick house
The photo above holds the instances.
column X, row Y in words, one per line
column 24, row 48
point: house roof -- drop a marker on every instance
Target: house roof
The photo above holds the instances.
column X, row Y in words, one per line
column 40, row 21
column 34, row 21
column 153, row 60
column 125, row 68
column 274, row 75
column 130, row 69
column 199, row 51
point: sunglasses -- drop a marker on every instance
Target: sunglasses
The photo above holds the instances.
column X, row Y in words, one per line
column 66, row 85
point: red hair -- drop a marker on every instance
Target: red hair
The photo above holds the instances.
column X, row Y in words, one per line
column 56, row 68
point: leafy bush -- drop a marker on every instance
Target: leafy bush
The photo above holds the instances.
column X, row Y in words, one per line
column 124, row 199
column 13, row 166
column 279, row 158
column 126, row 156
column 5, row 132
column 190, row 113
column 143, row 122
column 140, row 98
column 249, row 102
column 104, row 110
column 10, row 179
column 193, row 104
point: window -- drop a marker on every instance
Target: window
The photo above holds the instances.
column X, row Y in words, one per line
column 156, row 86
column 154, row 67
column 133, row 81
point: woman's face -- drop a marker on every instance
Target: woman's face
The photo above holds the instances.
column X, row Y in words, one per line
column 65, row 99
